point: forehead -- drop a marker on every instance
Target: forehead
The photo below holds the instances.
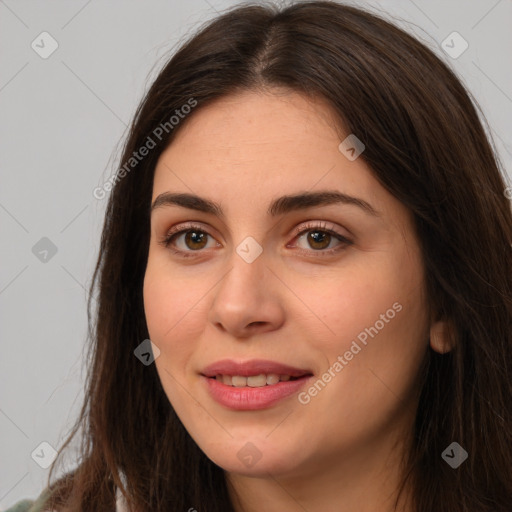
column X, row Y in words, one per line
column 243, row 150
column 259, row 137
column 253, row 117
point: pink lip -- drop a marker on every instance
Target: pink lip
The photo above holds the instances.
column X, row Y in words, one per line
column 252, row 367
column 247, row 398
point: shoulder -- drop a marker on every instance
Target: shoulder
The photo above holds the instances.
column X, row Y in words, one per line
column 21, row 506
column 38, row 505
column 30, row 505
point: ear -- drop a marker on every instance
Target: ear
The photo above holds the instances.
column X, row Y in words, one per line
column 442, row 337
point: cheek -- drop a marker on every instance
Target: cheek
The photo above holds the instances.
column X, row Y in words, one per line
column 380, row 295
column 169, row 308
column 378, row 317
column 374, row 317
column 173, row 326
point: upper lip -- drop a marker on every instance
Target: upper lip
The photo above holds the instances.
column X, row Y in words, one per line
column 251, row 367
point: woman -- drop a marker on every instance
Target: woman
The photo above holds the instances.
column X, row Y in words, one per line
column 315, row 237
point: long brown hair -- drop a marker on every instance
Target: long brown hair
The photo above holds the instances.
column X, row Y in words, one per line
column 426, row 145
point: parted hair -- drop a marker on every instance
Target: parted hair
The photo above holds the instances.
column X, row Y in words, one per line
column 427, row 143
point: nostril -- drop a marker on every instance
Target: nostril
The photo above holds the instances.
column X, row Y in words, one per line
column 254, row 324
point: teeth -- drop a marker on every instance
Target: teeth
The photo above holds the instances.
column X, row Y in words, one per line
column 239, row 381
column 253, row 381
column 256, row 381
column 272, row 378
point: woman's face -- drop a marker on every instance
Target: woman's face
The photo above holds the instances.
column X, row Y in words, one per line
column 282, row 271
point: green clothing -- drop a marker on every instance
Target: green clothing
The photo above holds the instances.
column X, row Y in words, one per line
column 30, row 505
column 21, row 506
column 38, row 505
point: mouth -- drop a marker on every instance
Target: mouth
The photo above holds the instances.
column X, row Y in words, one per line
column 256, row 372
column 254, row 384
column 254, row 381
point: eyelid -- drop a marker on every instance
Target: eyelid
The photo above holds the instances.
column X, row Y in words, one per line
column 320, row 225
column 179, row 230
column 323, row 226
column 344, row 241
column 185, row 226
column 308, row 225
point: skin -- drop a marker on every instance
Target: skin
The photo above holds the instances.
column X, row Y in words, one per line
column 341, row 450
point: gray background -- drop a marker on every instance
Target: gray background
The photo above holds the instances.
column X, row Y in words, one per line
column 62, row 119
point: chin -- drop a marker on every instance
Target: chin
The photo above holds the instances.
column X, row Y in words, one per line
column 257, row 457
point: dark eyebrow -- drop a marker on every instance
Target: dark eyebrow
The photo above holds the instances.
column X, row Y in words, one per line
column 278, row 206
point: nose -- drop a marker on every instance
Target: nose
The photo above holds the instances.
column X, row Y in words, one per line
column 248, row 300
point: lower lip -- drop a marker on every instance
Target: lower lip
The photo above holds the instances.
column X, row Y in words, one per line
column 250, row 399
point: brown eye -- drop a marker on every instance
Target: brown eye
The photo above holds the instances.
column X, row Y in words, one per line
column 319, row 239
column 195, row 239
column 187, row 241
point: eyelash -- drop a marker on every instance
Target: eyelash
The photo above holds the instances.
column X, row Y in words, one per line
column 320, row 227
